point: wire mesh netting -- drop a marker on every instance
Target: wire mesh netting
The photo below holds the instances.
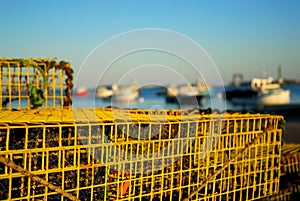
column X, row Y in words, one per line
column 35, row 83
column 289, row 189
column 113, row 154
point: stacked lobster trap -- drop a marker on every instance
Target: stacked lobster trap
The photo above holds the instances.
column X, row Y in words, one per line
column 289, row 189
column 58, row 153
column 35, row 83
column 115, row 154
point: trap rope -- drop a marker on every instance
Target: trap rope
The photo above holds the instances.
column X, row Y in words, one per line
column 18, row 168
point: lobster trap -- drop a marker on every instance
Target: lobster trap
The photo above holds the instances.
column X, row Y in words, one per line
column 35, row 83
column 290, row 174
column 113, row 154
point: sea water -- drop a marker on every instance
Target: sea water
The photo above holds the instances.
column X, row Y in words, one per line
column 151, row 98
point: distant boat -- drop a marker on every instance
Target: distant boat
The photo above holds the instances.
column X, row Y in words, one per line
column 81, row 91
column 267, row 93
column 187, row 94
column 172, row 93
column 106, row 92
column 232, row 92
column 239, row 89
column 126, row 94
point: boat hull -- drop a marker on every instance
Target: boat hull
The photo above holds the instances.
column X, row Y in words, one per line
column 190, row 100
column 81, row 91
column 280, row 98
column 126, row 96
column 104, row 93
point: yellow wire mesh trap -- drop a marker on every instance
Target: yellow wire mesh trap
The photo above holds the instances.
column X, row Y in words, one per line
column 112, row 154
column 290, row 174
column 35, row 83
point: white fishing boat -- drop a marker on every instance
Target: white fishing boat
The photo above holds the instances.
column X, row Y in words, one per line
column 171, row 94
column 268, row 93
column 187, row 94
column 106, row 92
column 81, row 91
column 126, row 94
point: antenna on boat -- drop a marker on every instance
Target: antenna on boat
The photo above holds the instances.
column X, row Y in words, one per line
column 280, row 79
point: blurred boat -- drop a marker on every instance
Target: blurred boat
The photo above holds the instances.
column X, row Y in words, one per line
column 239, row 88
column 126, row 94
column 190, row 94
column 187, row 94
column 81, row 91
column 245, row 91
column 172, row 93
column 267, row 93
column 106, row 92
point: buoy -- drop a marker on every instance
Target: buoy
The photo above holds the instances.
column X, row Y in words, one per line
column 141, row 100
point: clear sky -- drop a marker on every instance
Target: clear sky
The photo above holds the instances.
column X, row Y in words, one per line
column 240, row 36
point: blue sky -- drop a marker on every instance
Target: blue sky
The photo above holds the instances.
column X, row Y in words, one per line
column 240, row 36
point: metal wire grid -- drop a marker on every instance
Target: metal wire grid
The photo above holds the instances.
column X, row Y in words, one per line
column 110, row 160
column 290, row 174
column 22, row 81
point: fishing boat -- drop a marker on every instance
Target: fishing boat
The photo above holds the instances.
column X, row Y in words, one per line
column 126, row 94
column 171, row 94
column 81, row 91
column 239, row 88
column 187, row 94
column 106, row 92
column 267, row 93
